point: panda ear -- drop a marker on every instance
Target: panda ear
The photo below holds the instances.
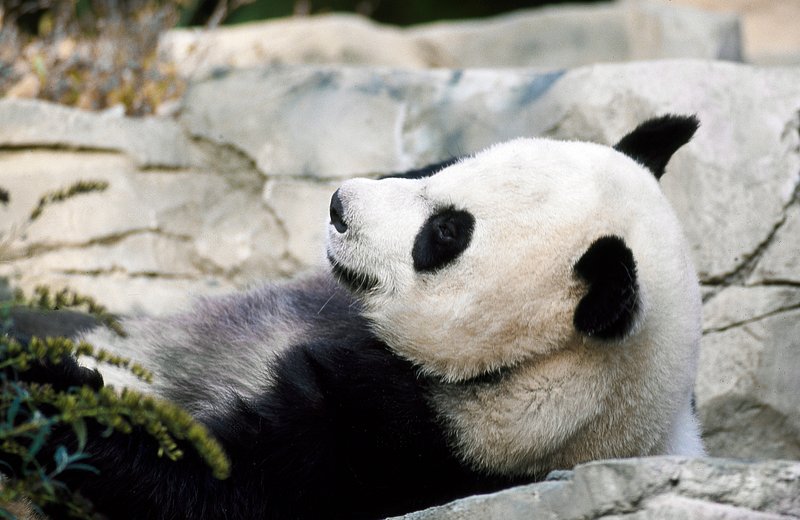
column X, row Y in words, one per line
column 608, row 309
column 653, row 142
column 426, row 171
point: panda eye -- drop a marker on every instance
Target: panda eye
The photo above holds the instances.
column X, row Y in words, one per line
column 443, row 237
column 446, row 231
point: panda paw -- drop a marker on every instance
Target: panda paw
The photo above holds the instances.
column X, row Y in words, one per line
column 63, row 374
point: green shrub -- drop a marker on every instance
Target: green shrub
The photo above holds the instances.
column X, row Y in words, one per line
column 31, row 412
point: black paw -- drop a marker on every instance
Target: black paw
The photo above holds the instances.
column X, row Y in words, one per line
column 63, row 374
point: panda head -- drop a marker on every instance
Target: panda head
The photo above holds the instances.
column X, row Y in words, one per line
column 526, row 248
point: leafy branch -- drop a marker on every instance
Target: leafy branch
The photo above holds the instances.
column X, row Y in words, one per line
column 30, row 413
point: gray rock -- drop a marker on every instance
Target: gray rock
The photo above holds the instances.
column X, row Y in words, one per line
column 307, row 220
column 340, row 122
column 747, row 388
column 571, row 36
column 737, row 305
column 780, row 263
column 555, row 37
column 769, row 27
column 309, row 122
column 151, row 142
column 330, row 38
column 651, row 488
column 174, row 232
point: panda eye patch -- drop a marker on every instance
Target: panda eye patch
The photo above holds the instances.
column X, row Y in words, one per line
column 443, row 237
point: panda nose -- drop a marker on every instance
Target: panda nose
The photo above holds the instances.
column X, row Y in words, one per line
column 337, row 213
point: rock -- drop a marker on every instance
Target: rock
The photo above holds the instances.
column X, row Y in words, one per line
column 747, row 387
column 648, row 488
column 339, row 123
column 81, row 219
column 555, row 37
column 769, row 28
column 190, row 230
column 151, row 142
column 571, row 36
column 330, row 38
column 780, row 262
column 736, row 305
column 353, row 128
column 136, row 254
column 307, row 220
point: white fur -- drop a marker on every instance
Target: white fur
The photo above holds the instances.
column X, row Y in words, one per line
column 509, row 300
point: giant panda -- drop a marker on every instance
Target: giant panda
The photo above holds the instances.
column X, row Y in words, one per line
column 482, row 322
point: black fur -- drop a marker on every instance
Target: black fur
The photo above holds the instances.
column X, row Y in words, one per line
column 653, row 142
column 443, row 237
column 64, row 373
column 608, row 309
column 426, row 171
column 345, row 431
column 61, row 375
column 43, row 323
column 336, row 211
column 355, row 281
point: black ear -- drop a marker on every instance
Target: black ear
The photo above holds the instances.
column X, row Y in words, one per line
column 421, row 173
column 653, row 142
column 608, row 309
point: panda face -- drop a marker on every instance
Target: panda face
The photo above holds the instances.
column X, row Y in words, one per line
column 473, row 269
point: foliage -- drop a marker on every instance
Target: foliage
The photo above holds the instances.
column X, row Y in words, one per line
column 93, row 54
column 30, row 413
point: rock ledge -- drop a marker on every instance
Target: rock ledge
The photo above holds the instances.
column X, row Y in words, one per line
column 653, row 487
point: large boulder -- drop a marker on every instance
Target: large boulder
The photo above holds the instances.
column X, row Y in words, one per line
column 561, row 36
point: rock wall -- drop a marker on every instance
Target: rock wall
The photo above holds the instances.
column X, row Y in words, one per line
column 234, row 187
column 561, row 36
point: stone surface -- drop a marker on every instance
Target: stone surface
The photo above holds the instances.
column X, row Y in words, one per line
column 748, row 387
column 649, row 488
column 769, row 27
column 779, row 262
column 570, row 36
column 736, row 305
column 149, row 141
column 343, row 122
column 332, row 38
column 302, row 207
column 173, row 232
column 555, row 37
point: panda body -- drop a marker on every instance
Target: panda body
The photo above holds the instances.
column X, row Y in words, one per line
column 483, row 323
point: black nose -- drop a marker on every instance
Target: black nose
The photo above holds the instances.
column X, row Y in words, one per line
column 337, row 213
